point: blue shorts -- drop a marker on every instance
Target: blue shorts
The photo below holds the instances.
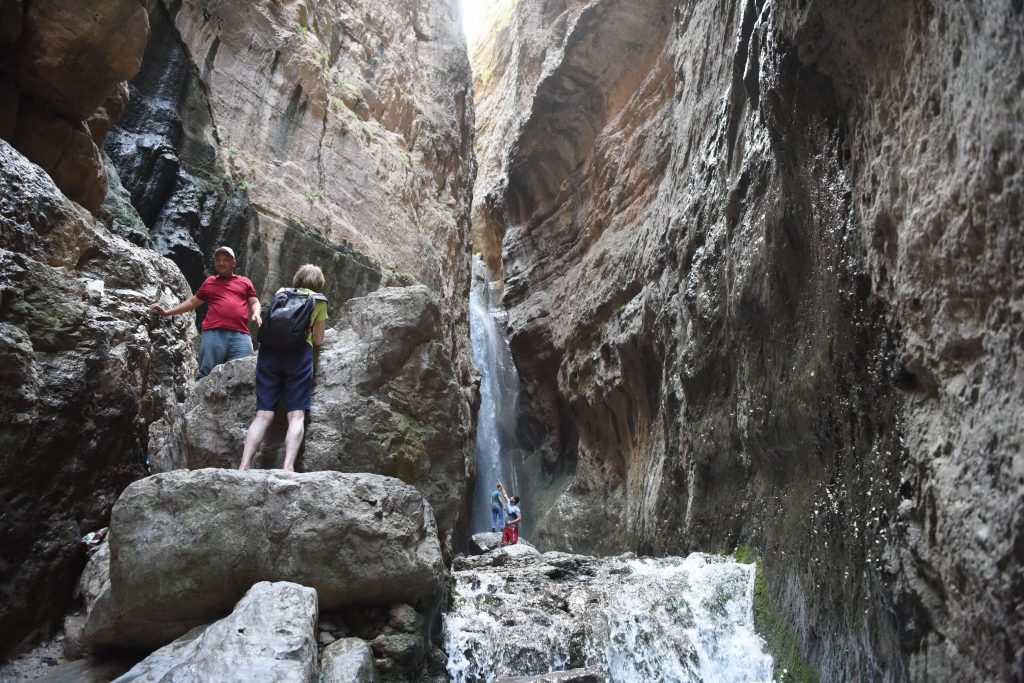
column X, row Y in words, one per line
column 220, row 345
column 284, row 373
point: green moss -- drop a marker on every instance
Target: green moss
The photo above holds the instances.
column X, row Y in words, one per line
column 790, row 665
column 302, row 29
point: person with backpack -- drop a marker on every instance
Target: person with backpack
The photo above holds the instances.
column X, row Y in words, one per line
column 294, row 324
column 231, row 301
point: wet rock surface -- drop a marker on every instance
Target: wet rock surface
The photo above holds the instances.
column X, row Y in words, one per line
column 518, row 614
column 763, row 286
column 185, row 545
column 85, row 370
column 385, row 399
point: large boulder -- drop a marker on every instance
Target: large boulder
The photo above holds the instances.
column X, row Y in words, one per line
column 386, row 399
column 85, row 368
column 186, row 545
column 270, row 636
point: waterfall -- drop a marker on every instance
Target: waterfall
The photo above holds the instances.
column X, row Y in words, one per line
column 639, row 620
column 499, row 388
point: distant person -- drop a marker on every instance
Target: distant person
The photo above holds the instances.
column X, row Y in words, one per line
column 287, row 371
column 231, row 303
column 497, row 511
column 513, row 517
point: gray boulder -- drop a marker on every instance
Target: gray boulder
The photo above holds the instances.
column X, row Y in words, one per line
column 386, row 399
column 348, row 660
column 270, row 636
column 186, row 545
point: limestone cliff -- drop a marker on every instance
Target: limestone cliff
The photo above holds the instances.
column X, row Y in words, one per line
column 763, row 264
column 337, row 133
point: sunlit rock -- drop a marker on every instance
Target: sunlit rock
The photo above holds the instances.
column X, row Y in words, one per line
column 269, row 636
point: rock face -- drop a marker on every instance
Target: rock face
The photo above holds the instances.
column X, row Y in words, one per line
column 268, row 637
column 762, row 263
column 185, row 545
column 85, row 369
column 385, row 400
column 334, row 134
column 62, row 80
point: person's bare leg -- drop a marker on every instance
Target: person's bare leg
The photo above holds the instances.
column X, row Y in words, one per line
column 292, row 440
column 254, row 436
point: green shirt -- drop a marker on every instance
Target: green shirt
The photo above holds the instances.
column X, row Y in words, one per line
column 319, row 311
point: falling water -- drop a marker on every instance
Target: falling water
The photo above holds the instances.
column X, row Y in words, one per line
column 499, row 388
column 639, row 620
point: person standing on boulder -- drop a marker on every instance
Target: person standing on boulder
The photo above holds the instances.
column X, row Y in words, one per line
column 232, row 301
column 288, row 373
column 513, row 517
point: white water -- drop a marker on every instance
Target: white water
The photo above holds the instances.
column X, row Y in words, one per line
column 499, row 389
column 658, row 620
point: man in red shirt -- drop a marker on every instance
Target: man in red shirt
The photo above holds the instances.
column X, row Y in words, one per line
column 232, row 301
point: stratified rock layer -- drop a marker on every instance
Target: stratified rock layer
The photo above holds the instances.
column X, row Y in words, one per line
column 763, row 265
column 185, row 545
column 84, row 369
column 333, row 134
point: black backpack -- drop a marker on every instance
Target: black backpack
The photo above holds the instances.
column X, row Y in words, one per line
column 286, row 323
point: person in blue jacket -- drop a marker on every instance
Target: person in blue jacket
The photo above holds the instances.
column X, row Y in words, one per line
column 497, row 510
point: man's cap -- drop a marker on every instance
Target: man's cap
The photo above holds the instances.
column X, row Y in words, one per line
column 226, row 250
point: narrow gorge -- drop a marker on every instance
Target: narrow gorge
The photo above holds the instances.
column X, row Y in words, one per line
column 730, row 292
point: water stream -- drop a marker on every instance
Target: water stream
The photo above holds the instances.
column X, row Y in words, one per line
column 639, row 620
column 499, row 388
column 518, row 612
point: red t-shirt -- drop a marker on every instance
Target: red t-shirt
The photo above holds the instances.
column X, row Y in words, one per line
column 227, row 302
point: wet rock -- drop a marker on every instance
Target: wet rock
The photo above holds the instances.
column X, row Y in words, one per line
column 386, row 399
column 483, row 542
column 86, row 369
column 269, row 636
column 348, row 660
column 354, row 538
column 587, row 675
column 685, row 619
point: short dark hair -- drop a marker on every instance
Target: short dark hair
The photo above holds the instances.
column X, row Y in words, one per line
column 515, row 499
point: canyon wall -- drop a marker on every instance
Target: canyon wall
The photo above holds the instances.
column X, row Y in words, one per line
column 332, row 132
column 763, row 264
column 337, row 133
